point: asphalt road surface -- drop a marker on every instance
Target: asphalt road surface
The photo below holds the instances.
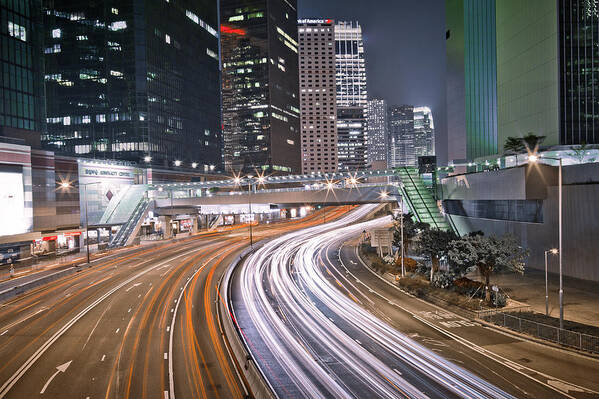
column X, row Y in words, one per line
column 141, row 325
column 321, row 325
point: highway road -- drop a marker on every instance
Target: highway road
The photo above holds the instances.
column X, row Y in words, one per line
column 320, row 325
column 140, row 325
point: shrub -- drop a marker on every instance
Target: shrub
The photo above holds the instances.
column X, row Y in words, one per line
column 409, row 264
column 443, row 279
column 501, row 299
column 468, row 287
column 414, row 286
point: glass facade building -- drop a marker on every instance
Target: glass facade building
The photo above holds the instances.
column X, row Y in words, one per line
column 22, row 104
column 377, row 132
column 134, row 79
column 411, row 134
column 260, row 83
column 352, row 96
column 472, row 79
column 579, row 71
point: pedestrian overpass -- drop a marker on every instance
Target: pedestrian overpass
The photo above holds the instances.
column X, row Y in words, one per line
column 130, row 207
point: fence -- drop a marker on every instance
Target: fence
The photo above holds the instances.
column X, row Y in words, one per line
column 569, row 338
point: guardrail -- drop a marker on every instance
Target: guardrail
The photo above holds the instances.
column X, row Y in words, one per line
column 253, row 375
column 573, row 339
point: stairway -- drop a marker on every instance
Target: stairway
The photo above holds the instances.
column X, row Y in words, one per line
column 130, row 228
column 419, row 198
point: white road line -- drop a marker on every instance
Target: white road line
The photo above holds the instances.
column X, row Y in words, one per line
column 103, row 357
column 117, row 330
column 8, row 327
column 4, row 332
column 165, row 355
column 165, row 394
column 171, row 377
column 12, row 380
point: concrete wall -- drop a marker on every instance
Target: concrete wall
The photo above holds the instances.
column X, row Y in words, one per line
column 580, row 215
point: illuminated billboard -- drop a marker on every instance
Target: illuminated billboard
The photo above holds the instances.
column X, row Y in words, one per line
column 12, row 204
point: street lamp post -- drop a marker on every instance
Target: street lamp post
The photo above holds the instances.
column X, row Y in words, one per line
column 553, row 251
column 86, row 220
column 534, row 158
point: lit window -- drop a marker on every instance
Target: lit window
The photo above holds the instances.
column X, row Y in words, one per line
column 118, row 25
column 56, row 33
column 115, row 11
column 17, row 31
column 66, row 120
column 236, row 18
column 81, row 37
column 167, row 39
column 100, row 118
column 212, row 54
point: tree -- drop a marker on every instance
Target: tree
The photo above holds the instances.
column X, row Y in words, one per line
column 435, row 244
column 513, row 145
column 411, row 229
column 489, row 255
column 532, row 142
column 581, row 152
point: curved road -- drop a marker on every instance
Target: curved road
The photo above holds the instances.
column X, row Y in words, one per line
column 312, row 329
column 138, row 325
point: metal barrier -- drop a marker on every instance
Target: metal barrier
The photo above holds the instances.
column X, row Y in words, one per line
column 573, row 339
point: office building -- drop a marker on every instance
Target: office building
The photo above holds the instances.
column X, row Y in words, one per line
column 260, row 83
column 516, row 67
column 377, row 133
column 352, row 96
column 411, row 134
column 134, row 80
column 318, row 96
column 471, row 79
column 22, row 104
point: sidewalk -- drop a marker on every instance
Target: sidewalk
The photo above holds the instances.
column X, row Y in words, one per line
column 581, row 297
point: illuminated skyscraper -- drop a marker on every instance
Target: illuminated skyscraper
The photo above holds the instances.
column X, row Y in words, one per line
column 318, row 95
column 133, row 80
column 260, row 85
column 351, row 96
column 377, row 133
column 411, row 135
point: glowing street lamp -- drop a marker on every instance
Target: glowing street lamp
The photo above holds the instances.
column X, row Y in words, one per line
column 194, row 165
column 177, row 163
column 147, row 159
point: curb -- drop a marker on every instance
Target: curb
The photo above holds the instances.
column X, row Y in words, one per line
column 254, row 377
column 500, row 329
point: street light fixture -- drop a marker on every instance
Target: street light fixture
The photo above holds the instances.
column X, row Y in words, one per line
column 177, row 163
column 194, row 165
column 553, row 251
column 147, row 159
column 534, row 158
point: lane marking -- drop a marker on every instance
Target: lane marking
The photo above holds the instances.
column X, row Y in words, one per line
column 117, row 330
column 12, row 380
column 103, row 357
column 8, row 327
column 59, row 369
column 165, row 355
column 133, row 286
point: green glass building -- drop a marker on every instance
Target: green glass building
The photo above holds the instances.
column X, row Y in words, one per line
column 471, row 80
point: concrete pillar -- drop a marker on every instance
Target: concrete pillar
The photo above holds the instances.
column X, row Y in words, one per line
column 98, row 235
column 167, row 228
column 194, row 224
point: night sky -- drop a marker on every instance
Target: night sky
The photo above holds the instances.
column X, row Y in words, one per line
column 405, row 50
